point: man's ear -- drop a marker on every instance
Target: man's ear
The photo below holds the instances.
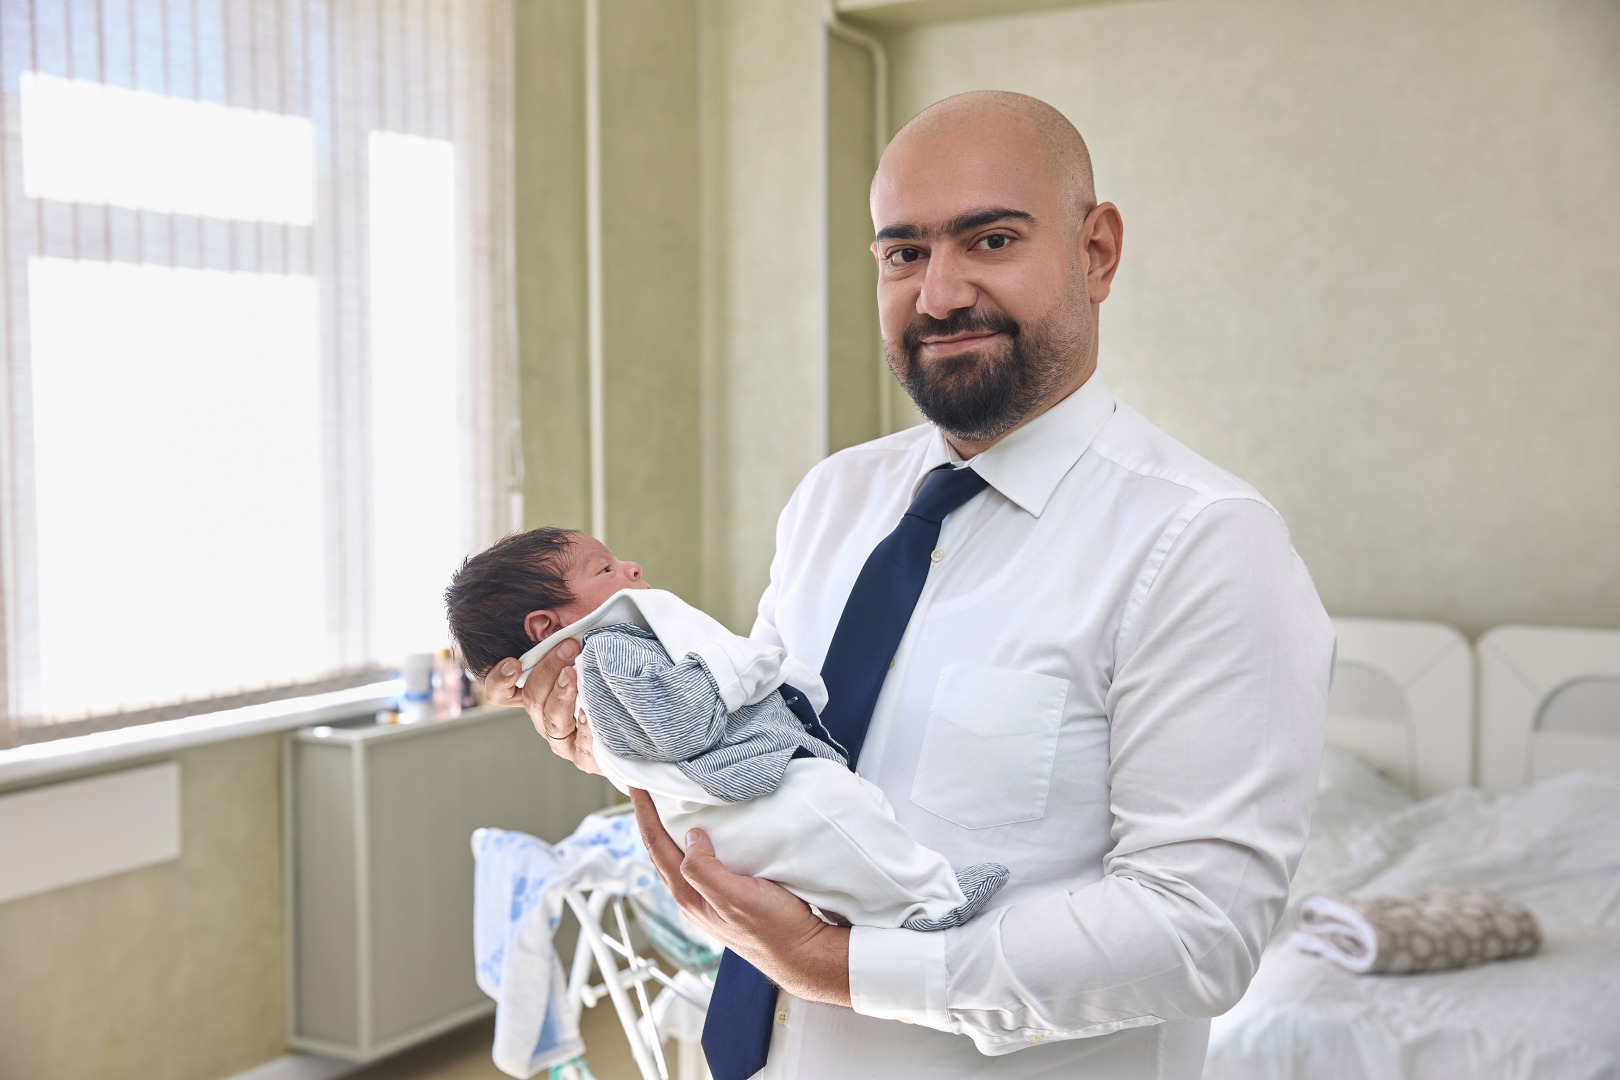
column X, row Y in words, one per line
column 1102, row 237
column 540, row 625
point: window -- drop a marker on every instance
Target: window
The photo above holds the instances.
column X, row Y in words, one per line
column 255, row 400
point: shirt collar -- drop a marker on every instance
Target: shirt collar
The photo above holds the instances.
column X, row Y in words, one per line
column 1026, row 465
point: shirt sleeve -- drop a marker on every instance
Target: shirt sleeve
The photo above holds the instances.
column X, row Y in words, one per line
column 765, row 628
column 643, row 705
column 1216, row 713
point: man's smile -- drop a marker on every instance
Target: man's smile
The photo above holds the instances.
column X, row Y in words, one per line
column 955, row 343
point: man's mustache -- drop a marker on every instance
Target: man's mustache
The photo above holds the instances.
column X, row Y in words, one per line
column 960, row 321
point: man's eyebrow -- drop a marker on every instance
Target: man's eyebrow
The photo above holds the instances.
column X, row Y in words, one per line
column 899, row 232
column 978, row 219
column 973, row 219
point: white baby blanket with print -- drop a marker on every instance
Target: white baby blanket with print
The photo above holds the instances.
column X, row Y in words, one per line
column 517, row 902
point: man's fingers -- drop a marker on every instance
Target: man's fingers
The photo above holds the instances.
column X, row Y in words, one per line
column 582, row 747
column 547, row 695
column 709, row 876
column 699, row 844
column 654, row 837
column 500, row 684
column 555, row 690
column 544, row 674
column 563, row 748
column 666, row 856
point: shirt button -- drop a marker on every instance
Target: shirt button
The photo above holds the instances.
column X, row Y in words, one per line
column 891, row 663
column 781, row 1017
column 937, row 554
column 1035, row 1036
column 905, row 1019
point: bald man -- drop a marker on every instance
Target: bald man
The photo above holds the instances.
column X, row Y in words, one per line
column 1112, row 676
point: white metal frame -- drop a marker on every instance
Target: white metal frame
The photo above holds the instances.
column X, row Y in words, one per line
column 1521, row 669
column 599, row 951
column 1430, row 749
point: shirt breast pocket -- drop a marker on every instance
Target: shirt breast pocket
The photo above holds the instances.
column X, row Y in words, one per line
column 990, row 745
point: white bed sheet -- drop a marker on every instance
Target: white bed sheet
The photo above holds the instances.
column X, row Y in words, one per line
column 1554, row 847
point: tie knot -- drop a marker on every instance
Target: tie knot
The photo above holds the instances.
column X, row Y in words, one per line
column 944, row 490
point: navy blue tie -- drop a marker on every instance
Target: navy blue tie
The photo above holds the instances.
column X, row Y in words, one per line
column 737, row 1031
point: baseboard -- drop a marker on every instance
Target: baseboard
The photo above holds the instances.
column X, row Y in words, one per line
column 300, row 1067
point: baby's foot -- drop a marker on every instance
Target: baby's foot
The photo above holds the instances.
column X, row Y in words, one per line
column 979, row 883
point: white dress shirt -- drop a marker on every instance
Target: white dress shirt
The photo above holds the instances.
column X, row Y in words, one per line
column 1115, row 683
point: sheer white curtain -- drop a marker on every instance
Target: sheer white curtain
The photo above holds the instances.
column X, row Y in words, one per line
column 255, row 281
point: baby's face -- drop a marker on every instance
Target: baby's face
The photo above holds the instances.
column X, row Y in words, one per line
column 594, row 575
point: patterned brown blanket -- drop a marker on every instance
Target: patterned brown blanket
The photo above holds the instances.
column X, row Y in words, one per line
column 1429, row 931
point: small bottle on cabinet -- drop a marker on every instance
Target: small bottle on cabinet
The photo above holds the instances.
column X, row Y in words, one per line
column 447, row 676
column 416, row 703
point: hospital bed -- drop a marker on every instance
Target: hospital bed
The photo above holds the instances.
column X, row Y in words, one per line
column 1396, row 813
column 1549, row 704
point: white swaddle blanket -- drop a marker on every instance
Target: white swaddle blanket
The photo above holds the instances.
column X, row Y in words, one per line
column 1429, row 931
column 745, row 671
column 824, row 833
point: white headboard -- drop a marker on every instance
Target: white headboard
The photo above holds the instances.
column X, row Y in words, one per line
column 1403, row 698
column 1549, row 702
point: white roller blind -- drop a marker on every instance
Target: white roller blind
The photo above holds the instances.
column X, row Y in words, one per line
column 255, row 406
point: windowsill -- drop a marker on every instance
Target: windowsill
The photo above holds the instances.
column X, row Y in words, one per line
column 38, row 761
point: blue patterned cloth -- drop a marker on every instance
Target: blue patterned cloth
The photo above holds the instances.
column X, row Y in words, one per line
column 517, row 903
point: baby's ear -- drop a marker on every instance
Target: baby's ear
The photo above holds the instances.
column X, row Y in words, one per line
column 540, row 625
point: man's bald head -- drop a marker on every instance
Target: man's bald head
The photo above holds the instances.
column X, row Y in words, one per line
column 992, row 256
column 1052, row 140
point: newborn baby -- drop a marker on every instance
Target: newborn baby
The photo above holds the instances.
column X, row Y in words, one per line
column 720, row 730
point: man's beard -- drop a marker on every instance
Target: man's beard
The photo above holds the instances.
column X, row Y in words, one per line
column 979, row 394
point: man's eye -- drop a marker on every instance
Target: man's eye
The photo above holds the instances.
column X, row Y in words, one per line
column 904, row 255
column 996, row 241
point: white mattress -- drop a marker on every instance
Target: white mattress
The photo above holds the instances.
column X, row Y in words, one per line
column 1554, row 847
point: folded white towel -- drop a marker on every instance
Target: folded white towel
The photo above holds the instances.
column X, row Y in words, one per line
column 1430, row 931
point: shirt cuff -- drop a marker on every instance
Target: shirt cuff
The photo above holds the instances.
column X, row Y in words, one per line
column 723, row 671
column 899, row 975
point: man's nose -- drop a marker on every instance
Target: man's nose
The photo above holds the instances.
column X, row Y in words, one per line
column 945, row 287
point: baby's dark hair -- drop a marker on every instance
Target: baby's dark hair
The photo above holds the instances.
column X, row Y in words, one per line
column 494, row 591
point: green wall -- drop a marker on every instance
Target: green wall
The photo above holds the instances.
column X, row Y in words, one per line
column 650, row 285
column 171, row 972
column 1391, row 310
column 764, row 225
column 856, row 372
column 650, row 274
column 548, row 90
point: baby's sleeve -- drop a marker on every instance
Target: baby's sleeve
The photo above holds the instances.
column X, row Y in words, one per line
column 642, row 704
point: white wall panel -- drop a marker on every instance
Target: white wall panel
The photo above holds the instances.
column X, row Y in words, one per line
column 63, row 834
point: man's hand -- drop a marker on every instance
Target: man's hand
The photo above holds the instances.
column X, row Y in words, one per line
column 548, row 696
column 757, row 919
